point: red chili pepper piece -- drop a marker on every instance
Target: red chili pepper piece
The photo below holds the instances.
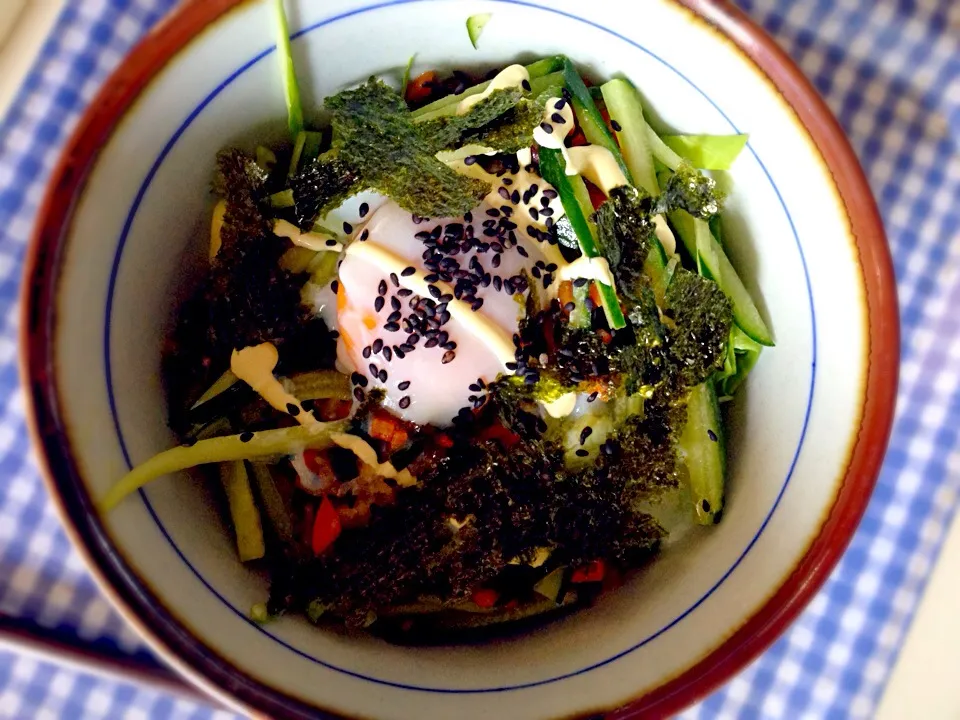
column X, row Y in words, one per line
column 591, row 572
column 326, row 527
column 485, row 597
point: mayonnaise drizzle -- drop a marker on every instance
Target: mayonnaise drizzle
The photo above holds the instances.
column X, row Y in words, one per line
column 368, row 456
column 562, row 406
column 592, row 268
column 216, row 227
column 598, row 165
column 558, row 130
column 474, row 322
column 511, row 76
column 254, row 365
column 309, row 240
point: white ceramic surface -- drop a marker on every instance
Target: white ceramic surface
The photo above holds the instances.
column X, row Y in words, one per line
column 140, row 223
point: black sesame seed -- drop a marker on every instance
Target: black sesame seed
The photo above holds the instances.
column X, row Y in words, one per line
column 377, row 345
column 712, row 435
column 469, row 160
column 395, row 303
column 382, row 287
column 331, row 242
column 404, row 292
column 246, row 436
column 550, row 193
column 394, row 279
column 398, row 351
column 408, row 271
column 535, row 214
column 404, row 402
column 526, row 85
column 382, row 375
column 580, row 282
column 403, row 386
column 504, row 193
column 364, row 209
column 434, row 291
column 558, row 119
column 497, row 282
column 448, row 356
column 358, row 394
column 615, row 125
column 392, row 327
column 523, row 251
column 705, row 505
column 364, row 235
column 547, row 128
column 293, row 410
column 493, row 212
column 592, row 396
column 394, row 317
column 468, row 217
column 560, row 104
column 585, row 433
column 511, row 366
column 348, row 228
column 547, row 212
column 388, row 354
column 570, row 307
column 366, row 352
column 378, row 303
column 474, row 387
column 582, row 453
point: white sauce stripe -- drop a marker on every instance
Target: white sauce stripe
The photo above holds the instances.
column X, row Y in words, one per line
column 488, row 332
column 509, row 77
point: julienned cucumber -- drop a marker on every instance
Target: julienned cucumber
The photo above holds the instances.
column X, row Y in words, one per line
column 588, row 116
column 703, row 449
column 576, row 205
column 713, row 262
column 626, row 110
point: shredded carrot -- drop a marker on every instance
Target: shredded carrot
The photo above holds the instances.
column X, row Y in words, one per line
column 444, row 440
column 326, row 527
column 565, row 293
column 420, row 87
column 498, row 432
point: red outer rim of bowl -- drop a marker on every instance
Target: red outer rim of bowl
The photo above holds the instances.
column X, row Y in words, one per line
column 216, row 675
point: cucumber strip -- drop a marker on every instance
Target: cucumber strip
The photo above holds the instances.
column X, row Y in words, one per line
column 282, row 199
column 655, row 268
column 591, row 122
column 291, row 90
column 545, row 83
column 320, row 384
column 580, row 317
column 406, row 76
column 223, row 383
column 245, row 446
column 661, row 151
column 243, row 510
column 266, row 158
column 626, row 110
column 475, row 25
column 712, row 262
column 274, row 506
column 536, row 70
column 707, row 152
column 578, row 208
column 745, row 353
column 719, row 268
column 298, row 144
column 703, row 449
column 313, row 143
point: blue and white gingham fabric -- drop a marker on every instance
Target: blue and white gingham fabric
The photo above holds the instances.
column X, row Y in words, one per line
column 890, row 70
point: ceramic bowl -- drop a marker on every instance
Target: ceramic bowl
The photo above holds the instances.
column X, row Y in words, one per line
column 121, row 238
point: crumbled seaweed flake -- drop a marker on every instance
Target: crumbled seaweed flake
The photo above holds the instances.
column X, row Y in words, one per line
column 446, row 131
column 702, row 317
column 321, row 186
column 373, row 132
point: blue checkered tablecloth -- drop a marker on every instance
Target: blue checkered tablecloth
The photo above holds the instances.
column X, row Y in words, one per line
column 890, row 70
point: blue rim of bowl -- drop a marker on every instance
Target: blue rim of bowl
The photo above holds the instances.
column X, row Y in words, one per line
column 244, row 615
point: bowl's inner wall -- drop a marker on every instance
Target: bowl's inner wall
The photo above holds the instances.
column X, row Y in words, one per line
column 154, row 176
